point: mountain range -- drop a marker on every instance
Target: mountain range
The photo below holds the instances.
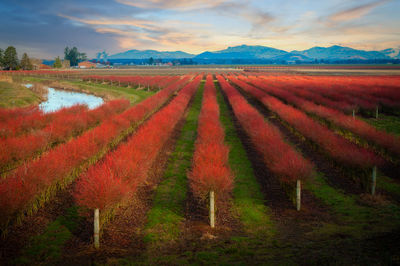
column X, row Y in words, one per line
column 146, row 54
column 257, row 52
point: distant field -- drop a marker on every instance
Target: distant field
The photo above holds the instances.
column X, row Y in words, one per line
column 204, row 165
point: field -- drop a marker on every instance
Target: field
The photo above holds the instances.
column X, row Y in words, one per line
column 221, row 166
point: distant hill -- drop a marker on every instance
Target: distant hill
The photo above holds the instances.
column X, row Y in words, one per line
column 293, row 57
column 341, row 53
column 256, row 54
column 243, row 52
column 393, row 53
column 146, row 54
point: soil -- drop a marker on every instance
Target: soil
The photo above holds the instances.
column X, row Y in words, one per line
column 293, row 224
column 18, row 235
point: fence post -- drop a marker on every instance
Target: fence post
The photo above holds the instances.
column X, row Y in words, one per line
column 354, row 114
column 376, row 112
column 298, row 195
column 212, row 209
column 96, row 229
column 373, row 180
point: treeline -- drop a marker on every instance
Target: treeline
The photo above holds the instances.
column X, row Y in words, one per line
column 9, row 60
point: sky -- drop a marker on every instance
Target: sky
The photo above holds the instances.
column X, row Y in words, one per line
column 43, row 28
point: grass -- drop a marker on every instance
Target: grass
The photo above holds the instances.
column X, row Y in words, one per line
column 386, row 183
column 102, row 90
column 385, row 122
column 48, row 247
column 114, row 92
column 13, row 95
column 165, row 218
column 248, row 199
column 357, row 218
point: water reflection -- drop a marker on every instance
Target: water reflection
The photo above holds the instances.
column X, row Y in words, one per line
column 57, row 99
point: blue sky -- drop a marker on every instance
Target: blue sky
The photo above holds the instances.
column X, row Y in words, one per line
column 43, row 28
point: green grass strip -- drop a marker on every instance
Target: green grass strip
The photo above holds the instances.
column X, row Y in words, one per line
column 248, row 200
column 164, row 222
column 47, row 247
column 355, row 217
column 385, row 122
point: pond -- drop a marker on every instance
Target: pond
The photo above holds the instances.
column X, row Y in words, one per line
column 57, row 99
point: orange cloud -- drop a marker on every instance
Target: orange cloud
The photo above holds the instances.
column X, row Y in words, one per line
column 172, row 4
column 356, row 12
column 146, row 24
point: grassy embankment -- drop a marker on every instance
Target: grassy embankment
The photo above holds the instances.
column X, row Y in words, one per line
column 105, row 91
column 14, row 95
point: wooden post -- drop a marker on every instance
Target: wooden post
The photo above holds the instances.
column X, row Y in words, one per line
column 376, row 112
column 373, row 180
column 96, row 229
column 212, row 209
column 354, row 114
column 298, row 195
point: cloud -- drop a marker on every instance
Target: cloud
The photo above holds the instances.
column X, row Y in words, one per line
column 146, row 24
column 355, row 12
column 194, row 25
column 143, row 33
column 172, row 4
column 258, row 18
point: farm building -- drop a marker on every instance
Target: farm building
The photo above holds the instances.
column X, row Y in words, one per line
column 86, row 64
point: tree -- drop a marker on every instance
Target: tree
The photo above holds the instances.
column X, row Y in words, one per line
column 57, row 63
column 151, row 61
column 26, row 63
column 74, row 56
column 10, row 59
column 1, row 58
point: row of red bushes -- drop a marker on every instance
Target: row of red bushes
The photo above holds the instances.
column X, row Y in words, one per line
column 210, row 169
column 280, row 157
column 18, row 121
column 364, row 92
column 335, row 146
column 307, row 94
column 380, row 86
column 321, row 92
column 122, row 171
column 144, row 81
column 24, row 190
column 66, row 125
column 355, row 125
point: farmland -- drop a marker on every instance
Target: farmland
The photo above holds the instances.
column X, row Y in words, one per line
column 260, row 165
